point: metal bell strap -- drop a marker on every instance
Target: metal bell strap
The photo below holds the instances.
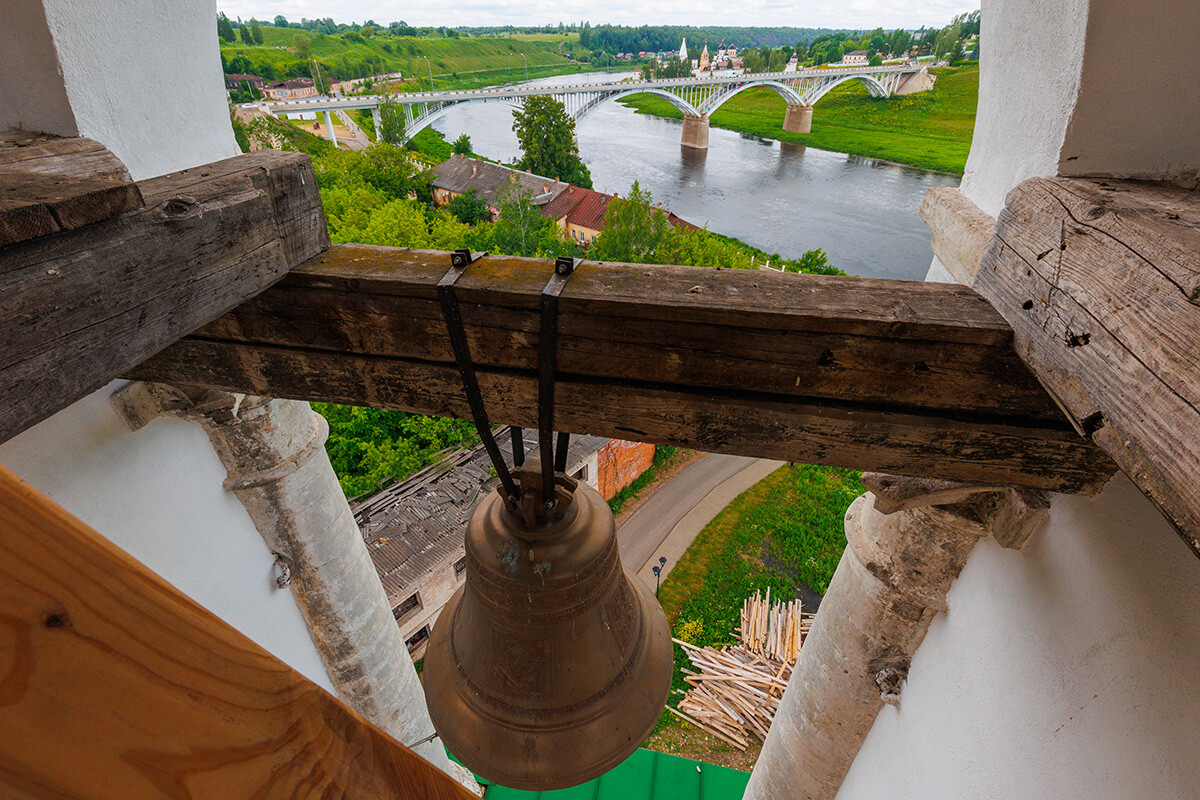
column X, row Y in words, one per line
column 459, row 261
column 551, row 462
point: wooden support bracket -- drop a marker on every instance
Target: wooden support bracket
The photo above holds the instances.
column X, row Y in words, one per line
column 114, row 684
column 82, row 306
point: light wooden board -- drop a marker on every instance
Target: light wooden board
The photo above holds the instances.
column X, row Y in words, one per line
column 113, row 684
column 1100, row 281
column 896, row 376
column 79, row 308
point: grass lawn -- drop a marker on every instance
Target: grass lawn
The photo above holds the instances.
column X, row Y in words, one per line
column 929, row 129
column 785, row 532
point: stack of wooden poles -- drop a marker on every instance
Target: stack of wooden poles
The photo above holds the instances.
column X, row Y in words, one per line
column 737, row 689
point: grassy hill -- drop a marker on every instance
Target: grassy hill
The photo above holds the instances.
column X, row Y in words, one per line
column 930, row 129
column 453, row 61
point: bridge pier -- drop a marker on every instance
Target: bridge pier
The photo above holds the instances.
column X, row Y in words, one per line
column 798, row 118
column 695, row 132
column 377, row 119
column 329, row 127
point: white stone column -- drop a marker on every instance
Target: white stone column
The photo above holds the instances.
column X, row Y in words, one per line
column 274, row 454
column 908, row 540
column 329, row 127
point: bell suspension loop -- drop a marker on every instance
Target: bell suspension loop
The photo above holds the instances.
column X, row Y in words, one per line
column 459, row 261
column 547, row 367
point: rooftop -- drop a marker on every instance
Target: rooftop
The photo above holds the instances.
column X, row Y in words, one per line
column 459, row 174
column 414, row 525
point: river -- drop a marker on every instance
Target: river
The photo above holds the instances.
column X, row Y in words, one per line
column 778, row 197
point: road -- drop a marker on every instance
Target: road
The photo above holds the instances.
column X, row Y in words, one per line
column 646, row 530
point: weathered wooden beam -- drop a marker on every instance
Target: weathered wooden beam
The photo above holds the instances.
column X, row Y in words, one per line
column 888, row 375
column 80, row 307
column 50, row 184
column 114, row 684
column 1100, row 280
column 961, row 231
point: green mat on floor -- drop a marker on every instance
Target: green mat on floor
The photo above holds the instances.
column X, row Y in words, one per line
column 645, row 775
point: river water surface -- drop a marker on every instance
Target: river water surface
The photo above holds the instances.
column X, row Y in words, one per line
column 778, row 197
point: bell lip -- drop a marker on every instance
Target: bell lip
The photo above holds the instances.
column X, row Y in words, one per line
column 591, row 771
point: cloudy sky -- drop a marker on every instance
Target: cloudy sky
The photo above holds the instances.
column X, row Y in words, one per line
column 798, row 13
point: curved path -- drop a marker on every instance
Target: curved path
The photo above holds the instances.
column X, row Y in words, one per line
column 667, row 523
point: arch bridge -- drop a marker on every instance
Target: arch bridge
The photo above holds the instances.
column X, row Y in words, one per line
column 696, row 97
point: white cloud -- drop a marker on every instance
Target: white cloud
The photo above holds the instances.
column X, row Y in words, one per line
column 798, row 13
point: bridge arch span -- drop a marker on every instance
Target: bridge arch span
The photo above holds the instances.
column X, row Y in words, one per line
column 721, row 98
column 683, row 105
column 823, row 88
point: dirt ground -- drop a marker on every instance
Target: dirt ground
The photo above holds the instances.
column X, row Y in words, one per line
column 682, row 739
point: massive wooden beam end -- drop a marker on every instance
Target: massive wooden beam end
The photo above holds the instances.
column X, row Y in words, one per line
column 1100, row 280
column 79, row 307
column 51, row 183
column 903, row 377
column 114, row 684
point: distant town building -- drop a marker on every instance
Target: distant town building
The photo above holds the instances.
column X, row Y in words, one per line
column 290, row 89
column 793, row 64
column 703, row 65
column 236, row 80
column 414, row 529
column 855, row 57
column 459, row 174
column 683, row 56
column 580, row 214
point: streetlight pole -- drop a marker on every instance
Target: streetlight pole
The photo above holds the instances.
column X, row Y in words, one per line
column 526, row 67
column 662, row 562
column 429, row 64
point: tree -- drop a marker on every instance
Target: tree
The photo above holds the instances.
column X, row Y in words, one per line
column 225, row 28
column 633, row 229
column 462, row 145
column 244, row 34
column 391, row 122
column 470, row 208
column 546, row 134
column 280, row 21
column 521, row 230
column 302, row 44
column 876, row 61
column 256, row 33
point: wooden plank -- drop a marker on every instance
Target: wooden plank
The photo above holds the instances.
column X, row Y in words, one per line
column 115, row 684
column 79, row 308
column 841, row 371
column 1100, row 282
column 961, row 231
column 50, row 184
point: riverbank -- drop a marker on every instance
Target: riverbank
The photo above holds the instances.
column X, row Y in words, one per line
column 931, row 130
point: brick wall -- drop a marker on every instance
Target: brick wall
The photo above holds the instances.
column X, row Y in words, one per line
column 619, row 463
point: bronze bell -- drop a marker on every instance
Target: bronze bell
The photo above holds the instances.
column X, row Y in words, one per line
column 550, row 665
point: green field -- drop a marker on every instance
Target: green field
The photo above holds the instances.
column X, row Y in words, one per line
column 450, row 59
column 930, row 129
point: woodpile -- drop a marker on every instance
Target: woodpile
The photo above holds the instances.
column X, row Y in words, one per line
column 776, row 631
column 736, row 690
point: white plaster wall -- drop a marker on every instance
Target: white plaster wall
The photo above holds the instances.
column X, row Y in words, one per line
column 1139, row 66
column 158, row 495
column 143, row 78
column 1030, row 59
column 1066, row 671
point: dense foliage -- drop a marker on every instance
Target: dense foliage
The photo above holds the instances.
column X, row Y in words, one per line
column 369, row 447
